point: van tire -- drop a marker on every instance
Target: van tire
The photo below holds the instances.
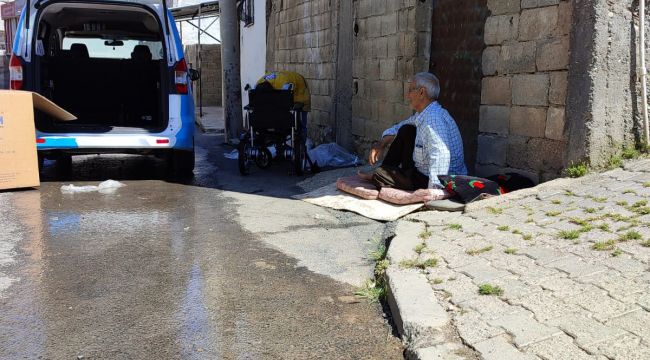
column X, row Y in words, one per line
column 182, row 163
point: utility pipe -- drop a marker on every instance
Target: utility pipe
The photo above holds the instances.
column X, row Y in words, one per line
column 230, row 60
column 644, row 73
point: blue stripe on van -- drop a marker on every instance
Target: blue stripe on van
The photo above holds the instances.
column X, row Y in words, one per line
column 16, row 49
column 58, row 143
column 185, row 137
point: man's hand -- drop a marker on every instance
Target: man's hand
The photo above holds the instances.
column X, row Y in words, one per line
column 375, row 153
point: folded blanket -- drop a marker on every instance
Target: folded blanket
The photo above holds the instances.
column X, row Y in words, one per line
column 356, row 186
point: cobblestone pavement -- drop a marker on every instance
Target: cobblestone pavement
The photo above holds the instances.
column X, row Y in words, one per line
column 571, row 257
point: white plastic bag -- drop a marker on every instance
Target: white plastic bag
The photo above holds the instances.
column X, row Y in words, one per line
column 332, row 155
column 106, row 187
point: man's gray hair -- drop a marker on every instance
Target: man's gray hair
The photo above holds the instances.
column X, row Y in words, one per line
column 429, row 82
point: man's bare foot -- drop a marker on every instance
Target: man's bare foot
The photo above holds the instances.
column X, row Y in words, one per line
column 365, row 176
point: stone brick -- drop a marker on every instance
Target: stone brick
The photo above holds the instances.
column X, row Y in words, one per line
column 499, row 7
column 524, row 153
column 525, row 329
column 530, row 89
column 518, row 57
column 490, row 60
column 387, row 69
column 537, row 23
column 496, row 91
column 559, row 347
column 492, row 150
column 501, row 28
column 527, row 4
column 494, row 119
column 528, row 121
column 555, row 123
column 553, row 54
column 565, row 12
column 557, row 91
column 389, row 24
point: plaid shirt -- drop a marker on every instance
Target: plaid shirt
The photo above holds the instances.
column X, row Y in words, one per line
column 438, row 145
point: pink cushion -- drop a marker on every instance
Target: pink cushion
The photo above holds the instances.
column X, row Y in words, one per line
column 403, row 197
column 357, row 186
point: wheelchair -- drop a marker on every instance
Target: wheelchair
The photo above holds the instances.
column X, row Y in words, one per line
column 272, row 122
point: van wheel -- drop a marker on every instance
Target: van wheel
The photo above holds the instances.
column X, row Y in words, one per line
column 63, row 166
column 182, row 163
column 41, row 162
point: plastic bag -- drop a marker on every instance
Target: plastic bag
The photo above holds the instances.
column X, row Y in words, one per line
column 332, row 155
column 106, row 187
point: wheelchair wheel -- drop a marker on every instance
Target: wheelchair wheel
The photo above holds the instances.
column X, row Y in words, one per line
column 263, row 160
column 243, row 159
column 299, row 156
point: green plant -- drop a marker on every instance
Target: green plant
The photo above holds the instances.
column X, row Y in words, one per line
column 495, row 211
column 645, row 210
column 600, row 199
column 577, row 170
column 528, row 237
column 604, row 227
column 556, row 202
column 437, row 281
column 569, row 234
column 487, row 289
column 425, row 234
column 646, row 243
column 640, row 203
column 604, row 245
column 510, row 251
column 621, row 203
column 614, row 161
column 516, row 232
column 586, row 228
column 629, row 191
column 617, row 252
column 410, row 264
column 646, row 184
column 381, row 267
column 553, row 213
column 372, row 291
column 503, row 228
column 590, row 210
column 455, row 226
column 569, row 193
column 378, row 253
column 420, row 248
column 630, row 235
column 529, row 220
column 579, row 221
column 630, row 152
column 473, row 252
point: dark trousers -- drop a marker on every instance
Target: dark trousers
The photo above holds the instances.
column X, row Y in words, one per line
column 398, row 169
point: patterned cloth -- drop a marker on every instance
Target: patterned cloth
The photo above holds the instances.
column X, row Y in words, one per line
column 438, row 145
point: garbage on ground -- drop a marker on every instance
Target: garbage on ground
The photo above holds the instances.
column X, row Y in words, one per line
column 233, row 155
column 106, row 187
column 332, row 155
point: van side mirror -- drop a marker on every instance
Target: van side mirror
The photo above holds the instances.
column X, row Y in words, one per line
column 194, row 74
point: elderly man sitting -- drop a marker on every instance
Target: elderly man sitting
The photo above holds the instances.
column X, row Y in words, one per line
column 423, row 146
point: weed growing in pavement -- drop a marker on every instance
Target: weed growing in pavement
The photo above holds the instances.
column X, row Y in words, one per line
column 621, row 203
column 579, row 221
column 437, row 281
column 556, row 202
column 646, row 243
column 503, row 228
column 528, row 236
column 590, row 210
column 474, row 252
column 629, row 152
column 569, row 193
column 604, row 227
column 614, row 162
column 378, row 253
column 553, row 213
column 510, row 251
column 455, row 226
column 425, row 234
column 630, row 235
column 640, row 203
column 487, row 289
column 516, row 231
column 600, row 199
column 418, row 264
column 420, row 248
column 617, row 253
column 381, row 267
column 577, row 170
column 645, row 210
column 529, row 220
column 629, row 191
column 646, row 184
column 604, row 245
column 569, row 234
column 495, row 211
column 371, row 291
column 586, row 228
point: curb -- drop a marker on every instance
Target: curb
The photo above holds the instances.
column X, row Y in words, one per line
column 421, row 320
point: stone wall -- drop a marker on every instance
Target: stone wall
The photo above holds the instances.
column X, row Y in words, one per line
column 392, row 42
column 211, row 82
column 302, row 38
column 523, row 97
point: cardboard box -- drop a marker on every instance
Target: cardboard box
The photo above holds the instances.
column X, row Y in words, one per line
column 18, row 159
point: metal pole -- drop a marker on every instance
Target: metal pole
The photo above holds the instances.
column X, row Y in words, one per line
column 199, row 61
column 230, row 60
column 644, row 73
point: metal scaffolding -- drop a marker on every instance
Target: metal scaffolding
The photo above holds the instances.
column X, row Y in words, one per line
column 203, row 11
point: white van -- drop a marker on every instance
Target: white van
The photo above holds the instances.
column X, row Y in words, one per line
column 117, row 65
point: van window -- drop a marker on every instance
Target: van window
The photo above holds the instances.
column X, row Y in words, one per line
column 98, row 49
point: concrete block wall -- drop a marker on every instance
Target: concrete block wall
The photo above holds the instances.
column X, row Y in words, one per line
column 392, row 43
column 524, row 89
column 211, row 82
column 302, row 38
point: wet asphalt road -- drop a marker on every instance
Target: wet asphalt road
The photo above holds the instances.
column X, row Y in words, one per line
column 165, row 270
